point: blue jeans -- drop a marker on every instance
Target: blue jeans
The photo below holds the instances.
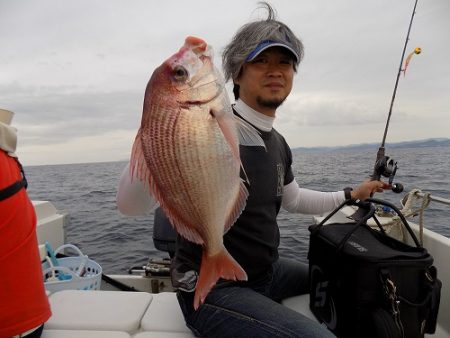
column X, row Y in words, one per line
column 237, row 309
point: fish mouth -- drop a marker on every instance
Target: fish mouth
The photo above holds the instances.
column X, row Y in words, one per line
column 199, row 102
column 196, row 102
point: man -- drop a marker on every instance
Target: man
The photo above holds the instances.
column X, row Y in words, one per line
column 261, row 60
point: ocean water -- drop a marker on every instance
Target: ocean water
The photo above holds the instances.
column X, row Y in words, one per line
column 87, row 192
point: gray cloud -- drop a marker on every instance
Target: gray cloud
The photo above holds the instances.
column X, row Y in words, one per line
column 45, row 115
column 76, row 71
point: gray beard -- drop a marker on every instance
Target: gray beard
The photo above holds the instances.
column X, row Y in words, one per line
column 273, row 104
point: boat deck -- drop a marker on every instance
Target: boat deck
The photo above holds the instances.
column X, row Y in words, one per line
column 122, row 314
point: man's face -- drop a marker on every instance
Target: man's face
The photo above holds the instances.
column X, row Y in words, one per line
column 266, row 81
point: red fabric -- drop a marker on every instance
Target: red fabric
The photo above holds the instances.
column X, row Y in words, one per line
column 23, row 302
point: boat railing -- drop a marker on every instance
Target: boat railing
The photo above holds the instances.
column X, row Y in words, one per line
column 414, row 204
column 433, row 198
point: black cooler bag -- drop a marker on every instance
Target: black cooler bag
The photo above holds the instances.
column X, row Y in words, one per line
column 364, row 283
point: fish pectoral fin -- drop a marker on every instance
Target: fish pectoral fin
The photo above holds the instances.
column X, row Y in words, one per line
column 236, row 207
column 133, row 195
column 220, row 265
column 139, row 169
column 244, row 176
column 227, row 125
column 248, row 135
column 138, row 166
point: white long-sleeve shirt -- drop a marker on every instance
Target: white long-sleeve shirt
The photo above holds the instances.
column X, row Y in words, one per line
column 295, row 199
column 134, row 198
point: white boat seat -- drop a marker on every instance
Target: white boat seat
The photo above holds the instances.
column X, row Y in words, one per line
column 50, row 223
column 300, row 304
column 164, row 314
column 97, row 310
column 83, row 334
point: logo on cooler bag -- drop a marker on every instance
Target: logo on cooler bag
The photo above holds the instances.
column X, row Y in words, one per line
column 323, row 299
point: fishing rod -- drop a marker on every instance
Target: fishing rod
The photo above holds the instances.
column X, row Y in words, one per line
column 384, row 165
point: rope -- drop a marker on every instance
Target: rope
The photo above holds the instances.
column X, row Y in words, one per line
column 425, row 203
column 408, row 210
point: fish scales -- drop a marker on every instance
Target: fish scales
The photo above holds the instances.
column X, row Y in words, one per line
column 210, row 174
column 162, row 150
column 195, row 150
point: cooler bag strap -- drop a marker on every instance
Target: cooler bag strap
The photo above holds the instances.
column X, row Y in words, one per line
column 368, row 208
column 400, row 215
column 316, row 228
column 435, row 291
column 429, row 307
column 369, row 212
column 392, row 299
column 365, row 212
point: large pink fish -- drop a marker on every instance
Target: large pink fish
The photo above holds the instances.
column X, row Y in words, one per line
column 187, row 149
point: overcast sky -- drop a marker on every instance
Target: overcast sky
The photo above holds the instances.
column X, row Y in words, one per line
column 74, row 72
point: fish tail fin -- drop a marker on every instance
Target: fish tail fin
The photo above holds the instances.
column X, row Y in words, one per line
column 212, row 268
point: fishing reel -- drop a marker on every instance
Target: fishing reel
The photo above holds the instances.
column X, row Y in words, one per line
column 386, row 166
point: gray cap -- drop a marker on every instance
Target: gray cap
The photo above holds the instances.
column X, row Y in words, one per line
column 263, row 45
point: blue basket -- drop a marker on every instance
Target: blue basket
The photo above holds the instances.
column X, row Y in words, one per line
column 71, row 273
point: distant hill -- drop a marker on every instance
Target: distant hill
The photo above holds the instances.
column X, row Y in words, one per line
column 431, row 142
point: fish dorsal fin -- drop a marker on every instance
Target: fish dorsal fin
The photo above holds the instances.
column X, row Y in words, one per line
column 248, row 135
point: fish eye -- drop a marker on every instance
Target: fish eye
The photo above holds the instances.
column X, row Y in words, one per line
column 180, row 73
